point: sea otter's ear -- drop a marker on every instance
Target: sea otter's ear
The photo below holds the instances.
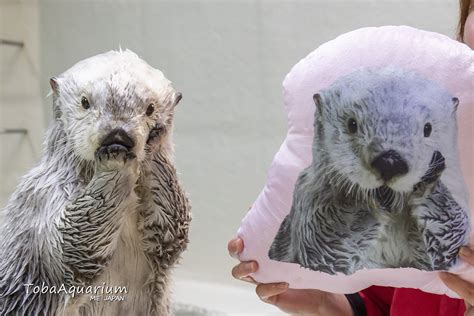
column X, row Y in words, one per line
column 54, row 83
column 177, row 97
column 318, row 101
column 455, row 104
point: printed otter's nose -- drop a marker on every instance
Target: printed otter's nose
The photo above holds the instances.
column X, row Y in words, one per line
column 390, row 164
column 118, row 136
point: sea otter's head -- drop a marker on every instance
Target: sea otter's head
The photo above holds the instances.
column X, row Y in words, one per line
column 114, row 98
column 385, row 128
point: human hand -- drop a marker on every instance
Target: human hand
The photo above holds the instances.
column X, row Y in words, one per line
column 463, row 288
column 292, row 301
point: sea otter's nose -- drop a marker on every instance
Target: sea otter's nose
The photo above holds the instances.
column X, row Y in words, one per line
column 118, row 136
column 390, row 164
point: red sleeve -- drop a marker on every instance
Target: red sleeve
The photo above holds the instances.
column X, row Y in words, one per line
column 378, row 300
column 382, row 301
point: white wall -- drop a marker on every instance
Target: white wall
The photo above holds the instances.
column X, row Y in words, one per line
column 228, row 58
column 21, row 100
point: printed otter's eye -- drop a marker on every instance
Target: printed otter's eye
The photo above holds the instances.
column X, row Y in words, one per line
column 352, row 126
column 150, row 109
column 85, row 103
column 427, row 130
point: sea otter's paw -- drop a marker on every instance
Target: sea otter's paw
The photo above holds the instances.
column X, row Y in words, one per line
column 429, row 180
column 155, row 135
column 113, row 157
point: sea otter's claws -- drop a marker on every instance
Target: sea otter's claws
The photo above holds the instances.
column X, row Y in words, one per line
column 155, row 133
column 114, row 156
column 437, row 166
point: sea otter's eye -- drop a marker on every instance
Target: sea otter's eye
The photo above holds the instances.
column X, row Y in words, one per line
column 85, row 103
column 150, row 109
column 427, row 130
column 352, row 126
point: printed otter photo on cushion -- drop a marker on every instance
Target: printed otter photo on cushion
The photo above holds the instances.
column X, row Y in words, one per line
column 378, row 193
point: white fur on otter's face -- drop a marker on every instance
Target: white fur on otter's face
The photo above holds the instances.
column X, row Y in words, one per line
column 119, row 87
column 391, row 108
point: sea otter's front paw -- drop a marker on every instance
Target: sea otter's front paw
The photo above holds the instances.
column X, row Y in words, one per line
column 436, row 168
column 155, row 135
column 430, row 178
column 113, row 157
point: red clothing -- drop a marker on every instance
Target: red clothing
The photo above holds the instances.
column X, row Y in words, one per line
column 409, row 302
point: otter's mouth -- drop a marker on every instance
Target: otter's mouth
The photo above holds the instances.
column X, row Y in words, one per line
column 384, row 196
column 390, row 200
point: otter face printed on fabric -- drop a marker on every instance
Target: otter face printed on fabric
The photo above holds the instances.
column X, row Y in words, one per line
column 373, row 195
column 368, row 188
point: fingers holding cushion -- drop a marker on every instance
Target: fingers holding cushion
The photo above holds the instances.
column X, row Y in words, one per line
column 235, row 247
column 244, row 269
column 467, row 255
column 269, row 292
column 462, row 287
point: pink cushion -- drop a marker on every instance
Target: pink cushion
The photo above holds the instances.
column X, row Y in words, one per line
column 432, row 55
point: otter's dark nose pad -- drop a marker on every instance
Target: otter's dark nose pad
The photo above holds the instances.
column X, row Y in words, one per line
column 118, row 136
column 390, row 164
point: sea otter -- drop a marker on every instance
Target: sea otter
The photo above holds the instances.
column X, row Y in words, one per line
column 103, row 209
